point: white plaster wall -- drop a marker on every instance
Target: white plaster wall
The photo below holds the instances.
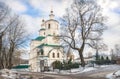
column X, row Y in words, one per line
column 50, row 55
column 41, row 33
column 35, row 43
column 46, row 50
column 33, row 55
column 53, row 27
column 51, row 40
column 56, row 51
column 33, row 59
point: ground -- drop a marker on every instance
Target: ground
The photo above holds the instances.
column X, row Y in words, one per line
column 98, row 72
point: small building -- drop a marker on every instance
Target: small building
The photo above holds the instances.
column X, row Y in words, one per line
column 117, row 59
column 21, row 67
column 86, row 59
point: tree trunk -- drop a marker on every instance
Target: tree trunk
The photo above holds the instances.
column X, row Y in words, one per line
column 10, row 60
column 11, row 56
column 1, row 53
column 97, row 55
column 81, row 55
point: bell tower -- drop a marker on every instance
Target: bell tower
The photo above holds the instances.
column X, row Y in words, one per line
column 51, row 14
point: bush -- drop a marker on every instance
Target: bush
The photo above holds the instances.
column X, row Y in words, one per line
column 66, row 65
column 75, row 65
column 107, row 61
column 112, row 62
column 57, row 64
column 103, row 61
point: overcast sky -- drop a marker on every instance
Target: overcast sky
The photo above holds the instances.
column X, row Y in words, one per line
column 34, row 10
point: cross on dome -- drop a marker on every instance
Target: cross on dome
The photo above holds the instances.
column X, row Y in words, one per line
column 51, row 14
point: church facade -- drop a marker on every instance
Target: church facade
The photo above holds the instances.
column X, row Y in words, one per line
column 46, row 48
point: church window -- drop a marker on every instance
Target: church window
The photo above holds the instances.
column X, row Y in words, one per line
column 57, row 26
column 53, row 55
column 37, row 53
column 53, row 33
column 48, row 26
column 42, row 51
column 58, row 55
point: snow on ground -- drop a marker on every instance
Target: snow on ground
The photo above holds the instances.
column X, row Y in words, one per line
column 112, row 67
column 72, row 71
column 89, row 69
column 51, row 72
column 114, row 75
column 76, row 70
column 110, row 76
column 9, row 74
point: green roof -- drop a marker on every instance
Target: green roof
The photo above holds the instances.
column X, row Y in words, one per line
column 49, row 35
column 42, row 29
column 40, row 46
column 21, row 66
column 40, row 38
column 49, row 45
column 52, row 45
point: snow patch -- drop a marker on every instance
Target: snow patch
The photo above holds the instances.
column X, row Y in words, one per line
column 110, row 76
column 89, row 69
column 72, row 71
column 114, row 75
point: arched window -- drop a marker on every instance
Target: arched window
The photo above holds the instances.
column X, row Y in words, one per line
column 58, row 55
column 42, row 51
column 48, row 26
column 44, row 33
column 53, row 55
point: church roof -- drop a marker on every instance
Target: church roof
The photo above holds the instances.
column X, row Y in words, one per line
column 21, row 66
column 49, row 35
column 40, row 38
column 52, row 20
column 42, row 29
column 48, row 45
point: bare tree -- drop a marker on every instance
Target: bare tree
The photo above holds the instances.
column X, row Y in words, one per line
column 98, row 45
column 12, row 35
column 115, row 52
column 17, row 56
column 4, row 13
column 16, row 36
column 113, row 57
column 82, row 23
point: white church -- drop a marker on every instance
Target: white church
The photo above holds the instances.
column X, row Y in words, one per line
column 46, row 48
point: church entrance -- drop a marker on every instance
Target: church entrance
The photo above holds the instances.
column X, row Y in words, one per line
column 44, row 65
column 41, row 65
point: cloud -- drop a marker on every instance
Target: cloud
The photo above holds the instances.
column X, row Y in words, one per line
column 111, row 38
column 16, row 5
column 32, row 24
column 110, row 9
column 58, row 6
